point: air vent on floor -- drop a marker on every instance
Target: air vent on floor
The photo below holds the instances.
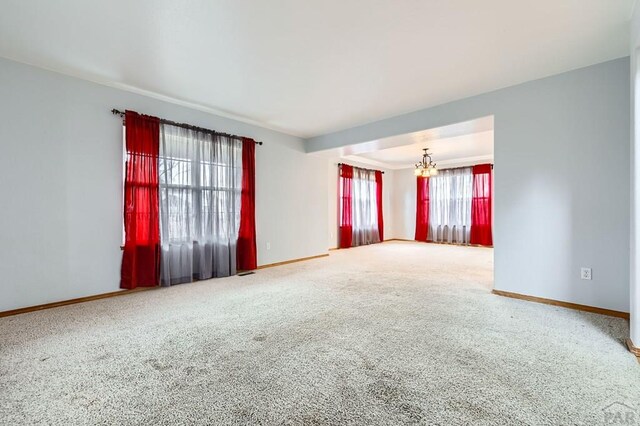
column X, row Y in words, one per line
column 246, row 273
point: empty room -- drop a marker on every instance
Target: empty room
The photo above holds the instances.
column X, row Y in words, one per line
column 354, row 212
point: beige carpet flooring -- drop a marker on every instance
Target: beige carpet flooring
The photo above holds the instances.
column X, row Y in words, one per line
column 396, row 333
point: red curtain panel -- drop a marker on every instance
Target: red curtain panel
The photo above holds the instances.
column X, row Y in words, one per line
column 379, row 202
column 422, row 209
column 481, row 232
column 345, row 200
column 246, row 251
column 141, row 256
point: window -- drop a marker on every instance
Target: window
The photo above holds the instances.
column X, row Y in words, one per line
column 200, row 197
column 186, row 189
column 365, row 207
column 200, row 187
column 450, row 195
column 358, row 207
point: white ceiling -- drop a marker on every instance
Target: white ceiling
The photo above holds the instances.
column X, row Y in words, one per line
column 315, row 66
column 446, row 152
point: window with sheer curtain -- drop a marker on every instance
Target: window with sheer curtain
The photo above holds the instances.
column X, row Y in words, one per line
column 365, row 207
column 200, row 178
column 450, row 197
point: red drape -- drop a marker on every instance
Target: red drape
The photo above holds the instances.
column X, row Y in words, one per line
column 141, row 256
column 246, row 252
column 422, row 209
column 379, row 202
column 345, row 200
column 481, row 232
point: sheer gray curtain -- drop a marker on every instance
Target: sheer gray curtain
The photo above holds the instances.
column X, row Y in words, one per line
column 450, row 194
column 200, row 191
column 365, row 207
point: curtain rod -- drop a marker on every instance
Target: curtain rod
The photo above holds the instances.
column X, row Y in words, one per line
column 188, row 126
column 371, row 170
column 465, row 167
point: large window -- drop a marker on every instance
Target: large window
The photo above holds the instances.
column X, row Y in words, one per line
column 450, row 197
column 188, row 203
column 194, row 201
column 365, row 207
column 360, row 206
column 200, row 195
column 455, row 206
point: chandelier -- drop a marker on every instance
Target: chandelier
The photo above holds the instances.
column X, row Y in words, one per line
column 426, row 167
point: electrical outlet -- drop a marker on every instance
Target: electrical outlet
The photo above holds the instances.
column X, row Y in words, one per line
column 585, row 273
column 268, row 246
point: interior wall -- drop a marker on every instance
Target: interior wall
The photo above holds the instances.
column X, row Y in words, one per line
column 404, row 204
column 332, row 203
column 562, row 180
column 634, row 291
column 61, row 168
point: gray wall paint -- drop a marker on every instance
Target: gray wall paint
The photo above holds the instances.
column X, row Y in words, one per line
column 562, row 180
column 60, row 169
column 634, row 293
column 404, row 204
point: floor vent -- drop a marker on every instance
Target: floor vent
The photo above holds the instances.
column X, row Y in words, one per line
column 246, row 273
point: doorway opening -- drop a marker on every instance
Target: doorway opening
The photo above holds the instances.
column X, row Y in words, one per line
column 452, row 206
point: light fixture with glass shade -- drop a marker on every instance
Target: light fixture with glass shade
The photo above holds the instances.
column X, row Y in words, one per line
column 426, row 167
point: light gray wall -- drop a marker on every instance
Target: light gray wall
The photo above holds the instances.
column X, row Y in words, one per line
column 634, row 292
column 60, row 174
column 404, row 204
column 562, row 180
